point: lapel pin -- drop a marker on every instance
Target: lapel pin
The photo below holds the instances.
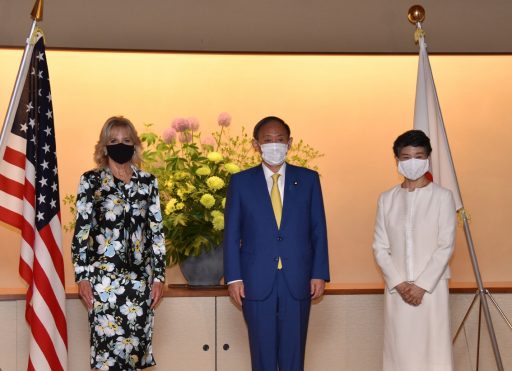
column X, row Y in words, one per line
column 295, row 183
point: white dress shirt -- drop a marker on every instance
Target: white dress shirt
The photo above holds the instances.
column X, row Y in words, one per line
column 270, row 182
column 280, row 181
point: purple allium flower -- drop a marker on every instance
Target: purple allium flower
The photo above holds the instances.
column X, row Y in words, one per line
column 169, row 135
column 180, row 124
column 194, row 123
column 224, row 119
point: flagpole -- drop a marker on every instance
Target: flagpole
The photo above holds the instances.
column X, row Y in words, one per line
column 416, row 15
column 37, row 15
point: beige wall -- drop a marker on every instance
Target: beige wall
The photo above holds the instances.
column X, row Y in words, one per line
column 350, row 107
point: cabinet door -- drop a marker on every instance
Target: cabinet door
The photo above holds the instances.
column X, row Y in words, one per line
column 184, row 334
column 8, row 317
column 345, row 333
column 232, row 340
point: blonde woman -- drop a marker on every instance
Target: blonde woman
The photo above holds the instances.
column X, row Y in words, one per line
column 118, row 250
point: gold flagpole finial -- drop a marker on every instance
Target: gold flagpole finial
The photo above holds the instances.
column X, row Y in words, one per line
column 37, row 11
column 416, row 14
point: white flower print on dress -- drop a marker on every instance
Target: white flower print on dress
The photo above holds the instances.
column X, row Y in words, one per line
column 131, row 310
column 108, row 243
column 143, row 189
column 137, row 244
column 125, row 345
column 159, row 245
column 108, row 289
column 84, row 185
column 83, row 208
column 155, row 210
column 105, row 266
column 107, row 183
column 139, row 208
column 113, row 207
column 104, row 361
column 108, row 326
column 83, row 233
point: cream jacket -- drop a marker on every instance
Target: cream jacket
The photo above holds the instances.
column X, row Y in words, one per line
column 415, row 235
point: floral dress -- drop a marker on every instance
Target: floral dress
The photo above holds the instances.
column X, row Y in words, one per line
column 118, row 246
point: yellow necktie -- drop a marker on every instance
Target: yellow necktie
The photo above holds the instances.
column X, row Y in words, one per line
column 275, row 197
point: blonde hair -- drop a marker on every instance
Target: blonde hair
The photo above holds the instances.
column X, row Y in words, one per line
column 100, row 150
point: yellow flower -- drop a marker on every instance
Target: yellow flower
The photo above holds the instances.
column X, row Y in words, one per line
column 190, row 188
column 223, row 202
column 180, row 206
column 215, row 157
column 207, row 200
column 216, row 213
column 182, row 193
column 215, row 183
column 170, row 207
column 169, row 184
column 232, row 168
column 202, row 171
column 218, row 222
column 180, row 175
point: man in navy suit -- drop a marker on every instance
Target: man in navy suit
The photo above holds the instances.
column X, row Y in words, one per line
column 275, row 249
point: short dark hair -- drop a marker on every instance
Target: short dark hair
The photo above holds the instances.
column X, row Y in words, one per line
column 268, row 120
column 415, row 138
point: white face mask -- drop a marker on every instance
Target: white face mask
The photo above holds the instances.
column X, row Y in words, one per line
column 413, row 168
column 274, row 153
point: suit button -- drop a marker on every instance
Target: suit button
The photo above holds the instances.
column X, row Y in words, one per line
column 279, row 238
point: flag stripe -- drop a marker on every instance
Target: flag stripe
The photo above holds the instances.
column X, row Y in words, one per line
column 25, row 273
column 54, row 257
column 10, row 202
column 17, row 143
column 11, row 218
column 30, row 193
column 30, row 367
column 11, row 187
column 29, row 235
column 14, row 157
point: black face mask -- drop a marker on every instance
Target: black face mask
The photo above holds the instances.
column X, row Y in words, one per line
column 120, row 153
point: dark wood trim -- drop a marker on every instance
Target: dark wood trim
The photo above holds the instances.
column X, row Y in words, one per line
column 184, row 290
column 248, row 52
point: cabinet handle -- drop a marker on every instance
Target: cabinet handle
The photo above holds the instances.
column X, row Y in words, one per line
column 225, row 347
column 206, row 347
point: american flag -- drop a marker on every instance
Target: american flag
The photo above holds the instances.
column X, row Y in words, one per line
column 29, row 201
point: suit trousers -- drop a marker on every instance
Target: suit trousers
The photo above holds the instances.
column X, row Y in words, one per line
column 277, row 329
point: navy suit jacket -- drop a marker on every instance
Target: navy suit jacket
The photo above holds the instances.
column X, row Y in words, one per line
column 253, row 242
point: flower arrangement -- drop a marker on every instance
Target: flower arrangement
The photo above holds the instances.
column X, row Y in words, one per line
column 193, row 173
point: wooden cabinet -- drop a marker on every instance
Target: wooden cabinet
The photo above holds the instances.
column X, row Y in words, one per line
column 233, row 342
column 200, row 333
column 204, row 331
column 184, row 334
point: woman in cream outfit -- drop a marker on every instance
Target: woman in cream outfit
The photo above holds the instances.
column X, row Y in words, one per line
column 413, row 242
